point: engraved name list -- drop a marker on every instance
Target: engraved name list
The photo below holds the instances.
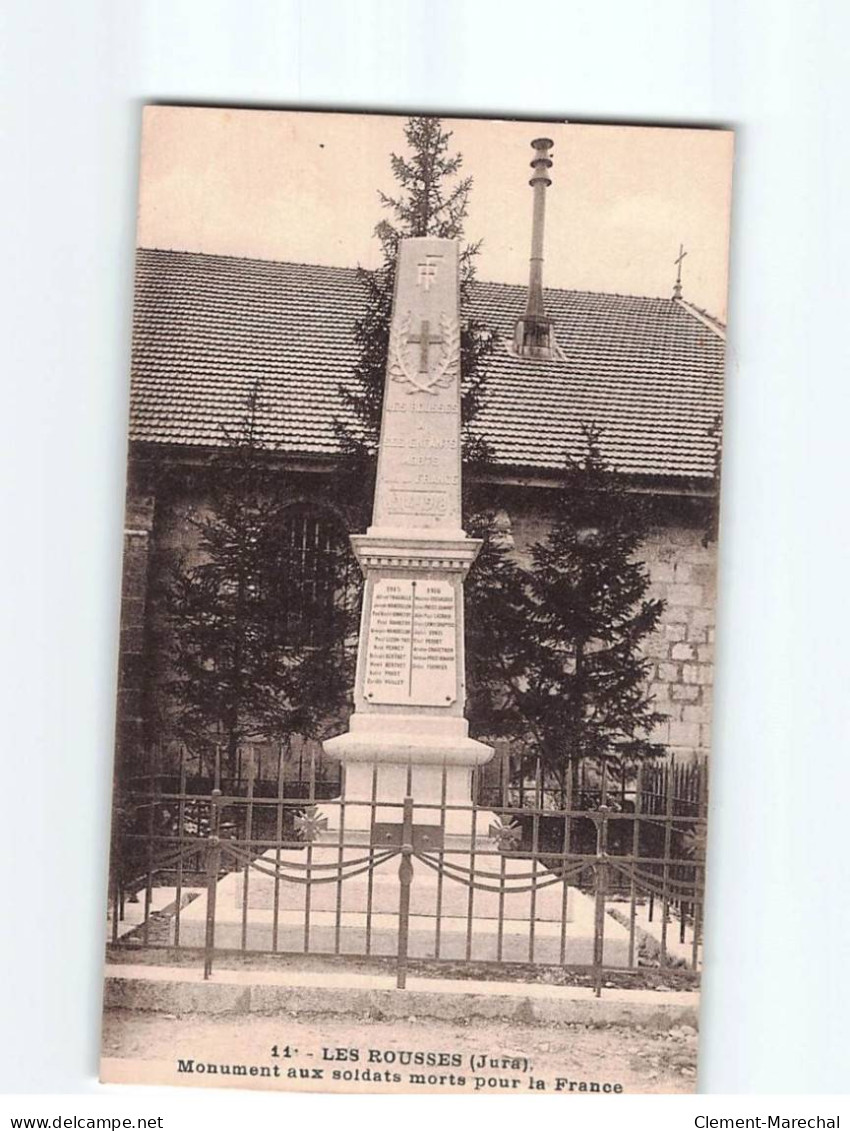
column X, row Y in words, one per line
column 411, row 656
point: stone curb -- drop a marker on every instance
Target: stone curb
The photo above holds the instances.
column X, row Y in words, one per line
column 163, row 994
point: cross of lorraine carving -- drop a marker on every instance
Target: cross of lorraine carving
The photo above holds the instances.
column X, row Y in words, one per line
column 426, row 272
column 426, row 376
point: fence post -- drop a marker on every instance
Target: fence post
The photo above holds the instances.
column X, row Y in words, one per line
column 601, row 869
column 405, row 876
column 116, row 862
column 213, row 868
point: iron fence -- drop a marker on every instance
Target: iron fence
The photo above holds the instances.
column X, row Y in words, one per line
column 600, row 875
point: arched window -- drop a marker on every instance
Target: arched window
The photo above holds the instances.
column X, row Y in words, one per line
column 319, row 578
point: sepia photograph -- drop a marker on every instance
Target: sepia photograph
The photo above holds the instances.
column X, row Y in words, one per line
column 417, row 632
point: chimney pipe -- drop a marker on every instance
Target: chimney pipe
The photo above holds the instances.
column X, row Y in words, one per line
column 540, row 181
column 533, row 334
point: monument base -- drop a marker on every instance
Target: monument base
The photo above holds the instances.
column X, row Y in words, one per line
column 388, row 756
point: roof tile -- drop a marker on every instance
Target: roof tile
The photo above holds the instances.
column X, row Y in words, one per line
column 646, row 371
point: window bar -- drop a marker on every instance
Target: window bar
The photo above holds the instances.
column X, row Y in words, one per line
column 371, row 875
column 304, row 584
column 442, row 859
column 315, row 579
column 308, row 874
column 471, row 897
column 249, row 832
column 279, row 839
column 181, row 824
column 668, row 832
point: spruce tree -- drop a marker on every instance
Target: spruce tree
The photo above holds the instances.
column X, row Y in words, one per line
column 580, row 683
column 236, row 670
column 496, row 637
column 432, row 200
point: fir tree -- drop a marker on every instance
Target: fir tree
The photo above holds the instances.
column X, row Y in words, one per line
column 432, row 200
column 715, row 434
column 496, row 636
column 237, row 670
column 579, row 681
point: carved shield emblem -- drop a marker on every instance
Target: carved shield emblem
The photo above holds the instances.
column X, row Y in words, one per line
column 423, row 359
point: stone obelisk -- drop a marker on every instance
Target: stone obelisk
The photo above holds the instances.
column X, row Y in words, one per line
column 407, row 735
column 408, row 726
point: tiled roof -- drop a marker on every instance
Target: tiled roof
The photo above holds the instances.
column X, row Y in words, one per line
column 647, row 371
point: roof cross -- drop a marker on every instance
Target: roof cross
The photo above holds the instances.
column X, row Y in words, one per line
column 677, row 289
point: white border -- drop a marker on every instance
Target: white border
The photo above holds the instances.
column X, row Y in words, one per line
column 74, row 77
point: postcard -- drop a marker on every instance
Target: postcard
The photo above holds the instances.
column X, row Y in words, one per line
column 417, row 632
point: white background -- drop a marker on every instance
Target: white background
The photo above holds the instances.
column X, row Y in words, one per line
column 777, row 991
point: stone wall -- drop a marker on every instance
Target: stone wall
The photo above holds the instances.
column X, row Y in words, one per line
column 132, row 673
column 681, row 566
column 683, row 573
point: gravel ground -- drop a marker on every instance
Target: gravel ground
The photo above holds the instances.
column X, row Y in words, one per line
column 636, row 1059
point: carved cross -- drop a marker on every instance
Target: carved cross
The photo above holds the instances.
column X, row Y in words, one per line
column 424, row 339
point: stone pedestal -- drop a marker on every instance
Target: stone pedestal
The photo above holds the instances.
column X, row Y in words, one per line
column 408, row 728
column 408, row 733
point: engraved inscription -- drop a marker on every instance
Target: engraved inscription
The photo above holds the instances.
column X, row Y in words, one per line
column 423, row 439
column 414, row 477
column 418, row 483
column 423, row 406
column 390, row 642
column 417, row 502
column 411, row 655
